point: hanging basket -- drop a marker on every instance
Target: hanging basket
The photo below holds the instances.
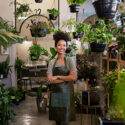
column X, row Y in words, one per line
column 52, row 17
column 97, row 47
column 41, row 32
column 74, row 8
column 106, row 8
column 38, row 1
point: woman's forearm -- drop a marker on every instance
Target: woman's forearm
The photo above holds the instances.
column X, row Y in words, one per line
column 56, row 81
column 70, row 77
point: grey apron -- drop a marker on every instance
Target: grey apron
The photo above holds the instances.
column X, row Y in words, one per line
column 61, row 97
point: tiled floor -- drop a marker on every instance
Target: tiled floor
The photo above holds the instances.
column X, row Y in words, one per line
column 27, row 114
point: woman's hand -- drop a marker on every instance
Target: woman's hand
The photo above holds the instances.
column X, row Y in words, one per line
column 53, row 79
column 50, row 79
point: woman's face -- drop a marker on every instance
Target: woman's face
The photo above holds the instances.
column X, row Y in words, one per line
column 61, row 47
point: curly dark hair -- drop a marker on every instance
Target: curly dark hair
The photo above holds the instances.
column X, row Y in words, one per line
column 61, row 36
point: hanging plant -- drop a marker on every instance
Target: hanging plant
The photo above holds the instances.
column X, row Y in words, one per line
column 106, row 9
column 22, row 9
column 98, row 36
column 53, row 13
column 75, row 5
column 38, row 29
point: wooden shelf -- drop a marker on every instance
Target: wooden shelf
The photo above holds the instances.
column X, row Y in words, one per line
column 118, row 60
column 119, row 63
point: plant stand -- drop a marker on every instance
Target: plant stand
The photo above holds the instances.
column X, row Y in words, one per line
column 119, row 63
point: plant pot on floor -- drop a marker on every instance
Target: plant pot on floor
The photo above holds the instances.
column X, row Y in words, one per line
column 41, row 104
column 77, row 35
column 38, row 1
column 97, row 47
column 110, row 122
column 74, row 8
column 106, row 8
column 52, row 17
column 38, row 32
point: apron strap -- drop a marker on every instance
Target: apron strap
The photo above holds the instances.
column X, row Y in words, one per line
column 56, row 61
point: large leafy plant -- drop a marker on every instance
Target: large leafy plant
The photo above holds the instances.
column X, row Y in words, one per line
column 6, row 113
column 117, row 108
column 36, row 50
column 8, row 34
column 110, row 80
column 98, row 33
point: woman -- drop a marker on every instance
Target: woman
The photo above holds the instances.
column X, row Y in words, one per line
column 61, row 74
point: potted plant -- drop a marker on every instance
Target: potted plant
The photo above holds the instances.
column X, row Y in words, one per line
column 71, row 49
column 77, row 99
column 19, row 64
column 6, row 113
column 75, row 5
column 53, row 13
column 21, row 9
column 41, row 100
column 116, row 111
column 106, row 9
column 35, row 51
column 38, row 29
column 38, row 1
column 87, row 70
column 79, row 30
column 97, row 36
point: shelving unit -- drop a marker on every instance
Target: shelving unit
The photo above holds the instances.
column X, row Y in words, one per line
column 118, row 60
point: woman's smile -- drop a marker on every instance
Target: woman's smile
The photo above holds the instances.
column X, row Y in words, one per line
column 61, row 46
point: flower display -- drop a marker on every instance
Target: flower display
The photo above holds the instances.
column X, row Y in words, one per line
column 87, row 70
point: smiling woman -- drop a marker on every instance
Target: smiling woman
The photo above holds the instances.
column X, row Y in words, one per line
column 60, row 75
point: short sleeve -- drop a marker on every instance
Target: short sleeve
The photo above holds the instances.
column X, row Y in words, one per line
column 50, row 67
column 72, row 64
